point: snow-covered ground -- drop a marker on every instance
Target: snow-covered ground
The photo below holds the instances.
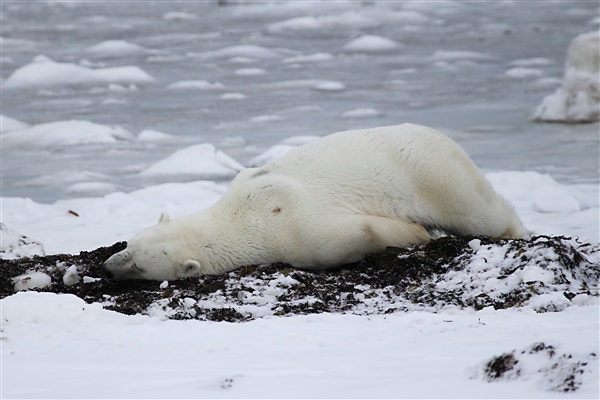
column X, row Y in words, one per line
column 104, row 105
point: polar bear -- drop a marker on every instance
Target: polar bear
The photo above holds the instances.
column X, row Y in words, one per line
column 325, row 204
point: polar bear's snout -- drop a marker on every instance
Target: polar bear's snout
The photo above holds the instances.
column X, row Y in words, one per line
column 105, row 271
column 114, row 266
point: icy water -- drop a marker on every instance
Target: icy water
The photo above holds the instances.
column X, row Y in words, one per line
column 453, row 69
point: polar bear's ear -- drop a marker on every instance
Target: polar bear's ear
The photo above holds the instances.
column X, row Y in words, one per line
column 164, row 217
column 190, row 268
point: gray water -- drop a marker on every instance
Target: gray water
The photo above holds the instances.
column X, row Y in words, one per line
column 471, row 99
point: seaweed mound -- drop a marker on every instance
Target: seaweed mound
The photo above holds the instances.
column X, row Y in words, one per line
column 543, row 273
column 554, row 371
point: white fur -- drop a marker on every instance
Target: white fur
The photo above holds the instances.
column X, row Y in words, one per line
column 327, row 203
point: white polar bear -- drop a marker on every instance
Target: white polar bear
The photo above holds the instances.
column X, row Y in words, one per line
column 327, row 203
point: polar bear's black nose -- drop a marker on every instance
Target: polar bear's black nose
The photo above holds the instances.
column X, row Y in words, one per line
column 107, row 273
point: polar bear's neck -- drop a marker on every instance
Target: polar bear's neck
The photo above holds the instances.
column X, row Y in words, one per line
column 223, row 244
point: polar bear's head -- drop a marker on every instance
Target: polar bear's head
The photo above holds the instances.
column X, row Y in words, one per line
column 156, row 253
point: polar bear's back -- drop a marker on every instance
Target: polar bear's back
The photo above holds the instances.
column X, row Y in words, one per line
column 392, row 161
column 366, row 149
column 406, row 171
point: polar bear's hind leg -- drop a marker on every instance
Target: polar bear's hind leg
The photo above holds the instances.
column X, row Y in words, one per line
column 386, row 232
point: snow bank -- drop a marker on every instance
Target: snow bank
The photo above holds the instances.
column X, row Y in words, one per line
column 202, row 161
column 88, row 223
column 90, row 189
column 63, row 310
column 15, row 245
column 65, row 133
column 45, row 72
column 371, row 44
column 547, row 207
column 307, row 356
column 578, row 99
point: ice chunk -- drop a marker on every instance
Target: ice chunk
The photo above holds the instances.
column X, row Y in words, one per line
column 347, row 20
column 578, row 99
column 280, row 149
column 361, row 113
column 202, row 161
column 243, row 50
column 10, row 124
column 195, row 84
column 371, row 44
column 115, row 48
column 65, row 133
column 45, row 72
column 31, row 280
column 149, row 135
column 71, row 277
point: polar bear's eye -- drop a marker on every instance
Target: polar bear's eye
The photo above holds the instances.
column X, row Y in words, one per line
column 135, row 267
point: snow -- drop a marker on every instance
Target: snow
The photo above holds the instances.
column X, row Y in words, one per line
column 15, row 245
column 45, row 72
column 578, row 98
column 303, row 357
column 33, row 280
column 550, row 204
